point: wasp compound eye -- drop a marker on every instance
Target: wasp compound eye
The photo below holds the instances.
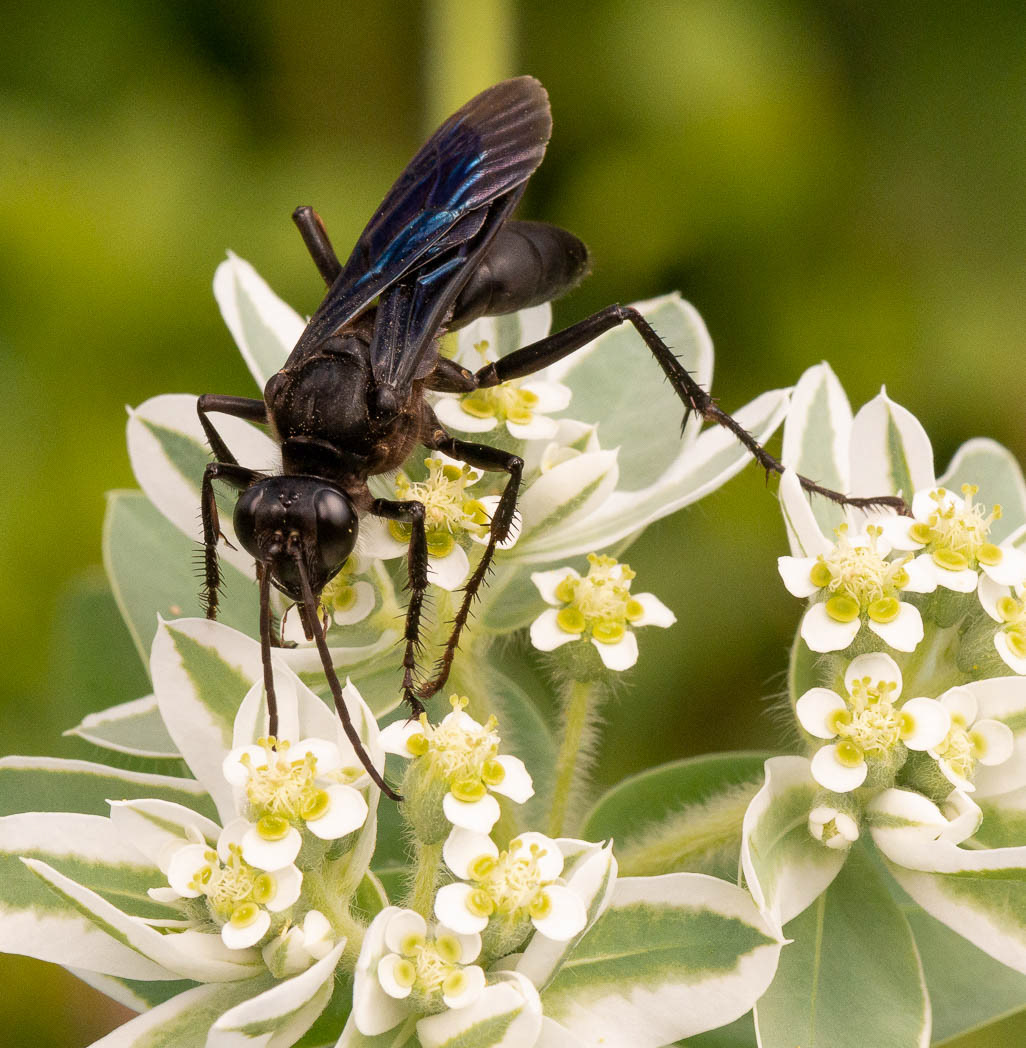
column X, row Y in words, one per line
column 336, row 529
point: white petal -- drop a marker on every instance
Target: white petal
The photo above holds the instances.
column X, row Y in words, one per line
column 470, row 943
column 288, row 883
column 1010, row 570
column 386, row 976
column 452, row 910
column 961, row 704
column 236, row 938
column 567, row 916
column 232, row 833
column 517, row 783
column 896, row 531
column 400, row 926
column 235, row 771
column 964, row 581
column 451, row 414
column 271, row 855
column 550, row 858
column 822, row 633
column 480, row 815
column 325, row 753
column 1013, row 661
column 377, row 541
column 795, row 571
column 346, row 812
column 904, row 632
column 656, row 612
column 183, row 867
column 990, row 592
column 548, row 582
column 475, row 983
column 997, row 739
column 828, row 771
column 395, row 736
column 815, row 710
column 931, row 723
column 621, row 655
column 907, row 813
column 318, row 934
column 546, row 634
column 877, row 666
column 541, row 427
column 924, row 505
column 552, row 396
column 361, row 607
column 449, row 572
column 462, row 847
column 922, row 574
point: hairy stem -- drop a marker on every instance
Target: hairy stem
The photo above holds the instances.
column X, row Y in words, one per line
column 425, row 878
column 574, row 759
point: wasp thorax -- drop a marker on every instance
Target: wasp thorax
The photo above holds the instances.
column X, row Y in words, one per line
column 280, row 517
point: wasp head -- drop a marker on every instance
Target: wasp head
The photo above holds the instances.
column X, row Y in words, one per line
column 280, row 520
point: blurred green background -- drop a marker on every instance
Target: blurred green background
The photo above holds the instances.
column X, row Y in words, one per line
column 835, row 180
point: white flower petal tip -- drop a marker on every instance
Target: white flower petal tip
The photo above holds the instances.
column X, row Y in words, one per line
column 926, row 723
column 347, row 811
column 547, row 582
column 395, row 737
column 242, row 936
column 1009, row 657
column 392, row 975
column 621, row 655
column 469, row 986
column 993, row 742
column 656, row 613
column 288, row 884
column 449, row 572
column 454, row 908
column 184, row 866
column 480, row 815
column 823, row 634
column 566, row 914
column 875, row 666
column 795, row 573
column 817, row 712
column 271, row 854
column 516, row 784
column 835, row 774
column 904, row 632
column 463, row 847
column 546, row 634
column 401, row 926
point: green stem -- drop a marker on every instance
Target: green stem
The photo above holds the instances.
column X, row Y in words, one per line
column 470, row 46
column 425, row 878
column 572, row 761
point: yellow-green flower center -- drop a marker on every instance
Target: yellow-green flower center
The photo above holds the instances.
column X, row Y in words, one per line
column 430, row 967
column 600, row 603
column 870, row 725
column 858, row 579
column 461, row 752
column 956, row 536
column 234, row 887
column 507, row 402
column 510, row 885
column 960, row 749
column 282, row 788
column 448, row 512
column 1013, row 624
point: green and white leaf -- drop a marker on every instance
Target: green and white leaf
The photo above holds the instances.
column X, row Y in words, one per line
column 158, row 828
column 671, row 957
column 185, row 1020
column 58, row 785
column 891, row 453
column 264, row 327
column 38, row 922
column 784, row 866
column 816, row 438
column 681, row 816
column 994, row 468
column 135, row 994
column 967, row 988
column 169, row 452
column 508, row 1014
column 979, row 893
column 134, row 728
column 193, row 955
column 851, row 977
column 151, row 568
column 278, row 1017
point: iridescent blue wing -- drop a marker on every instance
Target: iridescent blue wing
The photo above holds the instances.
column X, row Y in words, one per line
column 434, row 222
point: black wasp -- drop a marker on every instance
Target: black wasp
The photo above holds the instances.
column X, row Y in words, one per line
column 439, row 252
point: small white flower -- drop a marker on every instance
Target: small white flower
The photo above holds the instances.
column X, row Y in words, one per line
column 598, row 607
column 449, row 515
column 287, row 787
column 519, row 885
column 988, row 742
column 858, row 586
column 465, row 755
column 868, row 723
column 345, row 600
column 403, row 966
column 953, row 533
column 1006, row 605
column 240, row 897
column 298, row 946
column 836, row 829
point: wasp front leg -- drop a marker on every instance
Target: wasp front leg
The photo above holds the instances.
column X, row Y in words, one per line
column 240, row 478
column 481, row 456
column 411, row 513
